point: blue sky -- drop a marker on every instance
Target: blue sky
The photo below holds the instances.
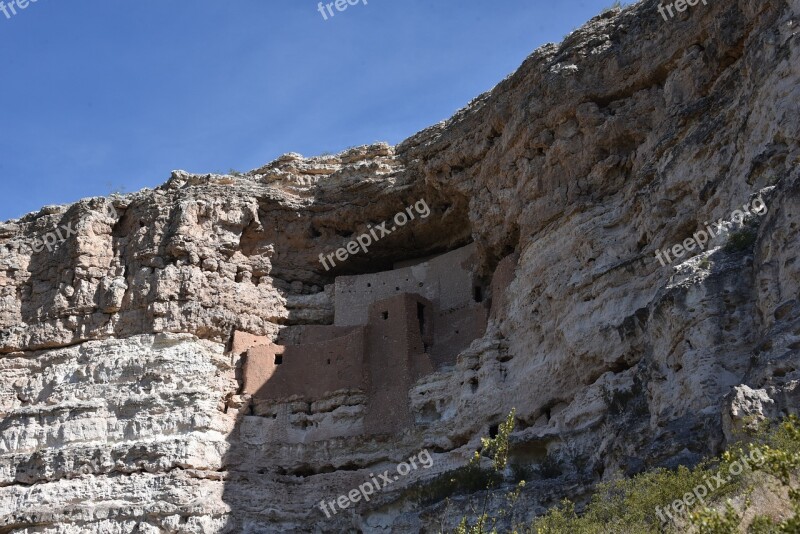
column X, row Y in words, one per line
column 104, row 95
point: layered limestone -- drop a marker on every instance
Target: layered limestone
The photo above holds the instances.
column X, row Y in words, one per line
column 122, row 405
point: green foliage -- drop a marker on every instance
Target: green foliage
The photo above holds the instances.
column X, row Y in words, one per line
column 626, row 505
column 762, row 524
column 472, row 477
column 486, row 524
column 781, row 454
column 710, row 521
column 629, row 505
column 741, row 240
column 778, row 457
column 521, row 472
column 496, row 449
column 467, row 479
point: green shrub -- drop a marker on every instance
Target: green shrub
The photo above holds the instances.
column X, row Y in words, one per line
column 496, row 449
column 762, row 524
column 741, row 240
column 626, row 505
column 710, row 521
column 629, row 505
column 464, row 480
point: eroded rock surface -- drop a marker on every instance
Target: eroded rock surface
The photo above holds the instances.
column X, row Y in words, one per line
column 121, row 403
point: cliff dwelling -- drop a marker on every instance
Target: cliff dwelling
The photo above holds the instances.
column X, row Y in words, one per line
column 586, row 278
column 390, row 329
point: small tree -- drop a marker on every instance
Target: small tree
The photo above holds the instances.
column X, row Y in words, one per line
column 495, row 448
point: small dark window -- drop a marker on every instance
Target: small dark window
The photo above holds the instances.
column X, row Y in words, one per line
column 473, row 386
column 494, row 430
column 397, row 289
column 329, row 361
column 478, row 294
column 278, row 359
column 385, row 315
column 421, row 317
column 369, row 285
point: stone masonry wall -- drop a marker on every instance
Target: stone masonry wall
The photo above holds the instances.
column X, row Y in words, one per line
column 447, row 280
column 310, row 371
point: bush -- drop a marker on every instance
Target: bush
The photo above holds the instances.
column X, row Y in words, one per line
column 780, row 451
column 629, row 505
column 741, row 240
column 626, row 505
column 464, row 480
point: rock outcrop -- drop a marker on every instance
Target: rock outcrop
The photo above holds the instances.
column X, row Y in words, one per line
column 121, row 403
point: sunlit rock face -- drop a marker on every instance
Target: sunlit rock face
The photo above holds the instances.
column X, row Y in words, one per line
column 121, row 398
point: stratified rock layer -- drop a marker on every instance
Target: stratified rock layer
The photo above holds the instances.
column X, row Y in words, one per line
column 121, row 406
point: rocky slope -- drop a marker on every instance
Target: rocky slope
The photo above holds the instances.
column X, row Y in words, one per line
column 119, row 400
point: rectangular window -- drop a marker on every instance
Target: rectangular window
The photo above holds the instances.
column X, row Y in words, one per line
column 478, row 294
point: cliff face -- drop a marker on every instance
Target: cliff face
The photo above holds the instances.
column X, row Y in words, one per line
column 120, row 398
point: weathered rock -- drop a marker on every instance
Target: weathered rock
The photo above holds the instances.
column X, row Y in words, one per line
column 122, row 410
column 746, row 409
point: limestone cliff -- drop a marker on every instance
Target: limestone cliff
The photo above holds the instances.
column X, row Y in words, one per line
column 120, row 400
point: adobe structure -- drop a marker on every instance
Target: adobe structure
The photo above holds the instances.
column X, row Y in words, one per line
column 390, row 329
